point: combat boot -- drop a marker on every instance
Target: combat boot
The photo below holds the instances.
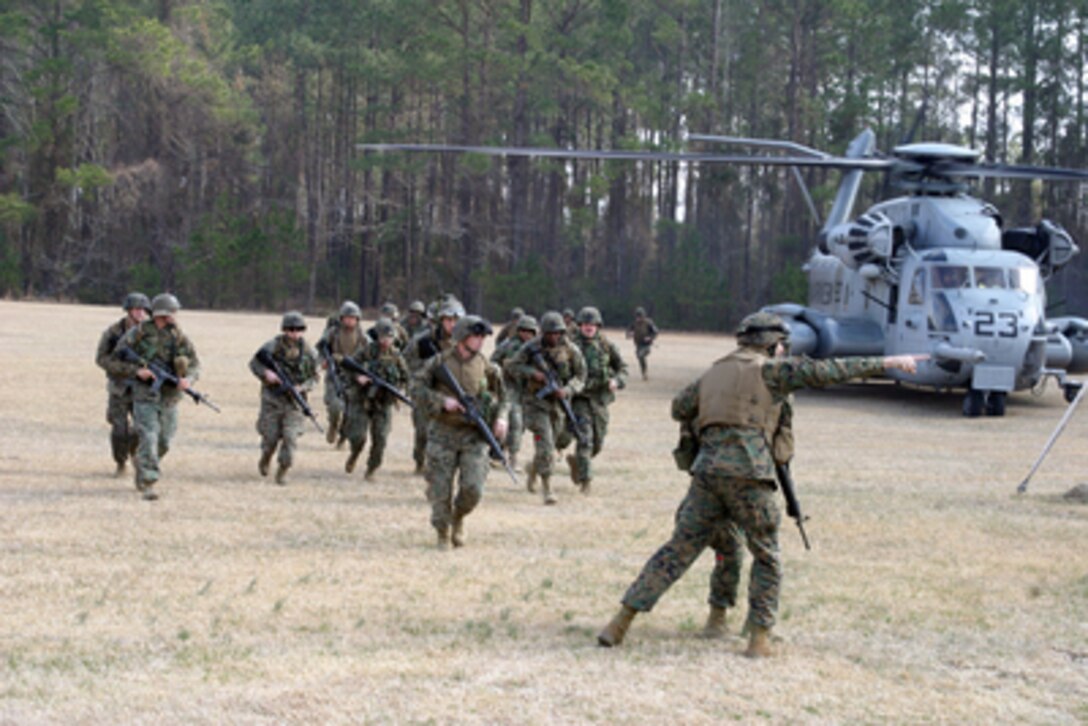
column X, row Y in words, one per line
column 349, row 465
column 281, row 474
column 572, row 462
column 584, row 486
column 715, row 623
column 419, row 471
column 340, row 441
column 334, row 426
column 443, row 538
column 266, row 459
column 369, row 475
column 759, row 642
column 530, row 482
column 613, row 633
column 120, row 471
column 457, row 534
column 546, row 490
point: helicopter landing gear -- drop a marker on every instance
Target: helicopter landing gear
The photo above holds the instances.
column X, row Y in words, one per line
column 977, row 401
column 973, row 403
column 1070, row 390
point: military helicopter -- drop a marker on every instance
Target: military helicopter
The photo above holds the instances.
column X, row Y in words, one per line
column 932, row 271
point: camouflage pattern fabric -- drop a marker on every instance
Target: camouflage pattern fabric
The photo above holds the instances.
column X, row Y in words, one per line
column 370, row 407
column 155, row 413
column 544, row 417
column 603, row 365
column 420, row 350
column 733, row 483
column 340, row 343
column 514, row 433
column 449, row 449
column 644, row 332
column 280, row 423
column 123, row 436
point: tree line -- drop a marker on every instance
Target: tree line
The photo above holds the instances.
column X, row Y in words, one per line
column 210, row 147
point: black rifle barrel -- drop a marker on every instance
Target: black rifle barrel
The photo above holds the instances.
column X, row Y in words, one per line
column 288, row 386
column 473, row 415
column 793, row 506
column 165, row 375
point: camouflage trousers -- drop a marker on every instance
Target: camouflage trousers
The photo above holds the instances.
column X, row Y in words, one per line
column 420, row 422
column 362, row 416
column 123, row 436
column 515, row 429
column 728, row 547
column 156, row 423
column 593, row 419
column 334, row 407
column 642, row 352
column 280, row 424
column 712, row 503
column 453, row 450
column 544, row 423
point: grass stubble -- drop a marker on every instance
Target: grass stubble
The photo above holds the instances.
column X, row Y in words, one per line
column 933, row 593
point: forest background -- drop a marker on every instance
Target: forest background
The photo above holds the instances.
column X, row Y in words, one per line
column 209, row 147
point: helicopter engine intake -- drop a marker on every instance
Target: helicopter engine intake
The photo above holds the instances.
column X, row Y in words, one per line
column 863, row 240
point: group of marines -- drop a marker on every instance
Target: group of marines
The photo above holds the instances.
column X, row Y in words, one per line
column 554, row 377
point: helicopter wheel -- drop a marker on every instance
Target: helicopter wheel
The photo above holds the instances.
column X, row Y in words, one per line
column 995, row 403
column 974, row 402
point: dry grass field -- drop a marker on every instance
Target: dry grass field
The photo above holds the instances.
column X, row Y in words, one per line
column 933, row 594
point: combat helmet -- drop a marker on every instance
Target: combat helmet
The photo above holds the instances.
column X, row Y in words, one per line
column 136, row 300
column 452, row 308
column 350, row 310
column 528, row 322
column 640, row 312
column 552, row 322
column 293, row 321
column 384, row 328
column 762, row 329
column 417, row 306
column 516, row 313
column 470, row 325
column 164, row 304
column 590, row 315
column 389, row 310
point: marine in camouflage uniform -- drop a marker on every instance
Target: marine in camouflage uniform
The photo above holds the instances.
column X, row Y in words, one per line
column 415, row 322
column 527, row 329
column 155, row 414
column 510, row 329
column 280, row 422
column 390, row 312
column 454, row 444
column 123, row 438
column 644, row 333
column 605, row 374
column 544, row 417
column 736, row 408
column 570, row 323
column 435, row 339
column 369, row 406
column 342, row 336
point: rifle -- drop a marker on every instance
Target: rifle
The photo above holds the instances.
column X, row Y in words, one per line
column 473, row 415
column 552, row 386
column 333, row 369
column 163, row 375
column 288, row 386
column 358, row 368
column 793, row 507
column 1053, row 437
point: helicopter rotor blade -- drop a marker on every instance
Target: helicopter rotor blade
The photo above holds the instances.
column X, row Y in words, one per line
column 1010, row 171
column 767, row 143
column 832, row 162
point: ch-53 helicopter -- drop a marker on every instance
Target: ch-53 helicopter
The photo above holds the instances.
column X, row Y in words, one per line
column 932, row 271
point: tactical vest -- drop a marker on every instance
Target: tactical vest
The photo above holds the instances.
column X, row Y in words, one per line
column 643, row 330
column 472, row 375
column 290, row 356
column 597, row 353
column 347, row 342
column 732, row 393
column 561, row 357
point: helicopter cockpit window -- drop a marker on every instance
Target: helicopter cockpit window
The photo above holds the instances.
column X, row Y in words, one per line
column 949, row 277
column 1025, row 279
column 989, row 278
column 917, row 288
column 941, row 317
